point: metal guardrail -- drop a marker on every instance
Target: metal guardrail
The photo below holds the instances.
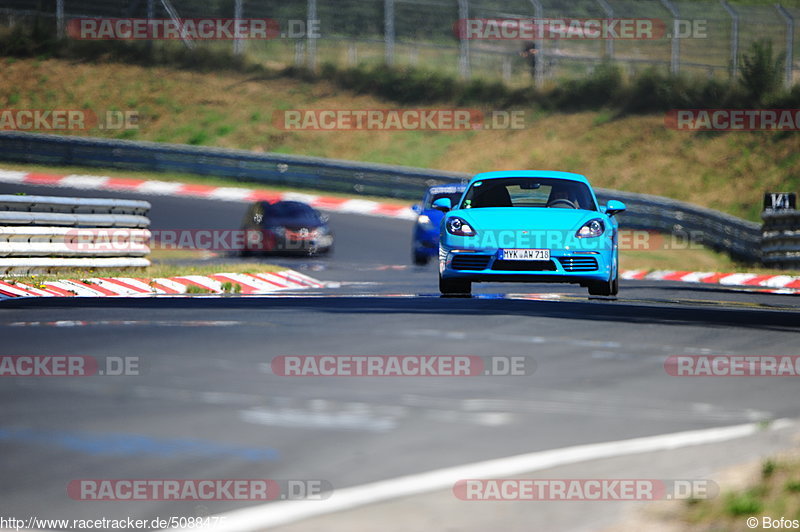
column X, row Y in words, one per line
column 270, row 168
column 44, row 233
column 739, row 238
column 780, row 241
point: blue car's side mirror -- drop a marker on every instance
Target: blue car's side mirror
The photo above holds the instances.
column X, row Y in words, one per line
column 417, row 208
column 614, row 206
column 443, row 204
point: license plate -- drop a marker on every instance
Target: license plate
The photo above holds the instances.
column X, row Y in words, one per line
column 525, row 254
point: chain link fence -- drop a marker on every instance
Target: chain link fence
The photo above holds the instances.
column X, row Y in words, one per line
column 705, row 37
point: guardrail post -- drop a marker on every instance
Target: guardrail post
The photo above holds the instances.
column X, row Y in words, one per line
column 463, row 43
column 734, row 38
column 789, row 42
column 675, row 56
column 388, row 31
column 609, row 42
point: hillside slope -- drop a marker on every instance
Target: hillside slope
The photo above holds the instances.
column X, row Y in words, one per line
column 726, row 171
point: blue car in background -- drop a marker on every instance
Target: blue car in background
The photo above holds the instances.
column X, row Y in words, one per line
column 528, row 226
column 425, row 244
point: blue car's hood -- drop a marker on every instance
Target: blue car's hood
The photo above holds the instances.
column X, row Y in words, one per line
column 526, row 218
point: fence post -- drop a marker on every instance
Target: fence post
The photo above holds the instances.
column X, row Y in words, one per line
column 538, row 13
column 60, row 19
column 311, row 45
column 789, row 42
column 238, row 47
column 506, row 69
column 151, row 14
column 463, row 42
column 388, row 31
column 609, row 41
column 675, row 58
column 734, row 38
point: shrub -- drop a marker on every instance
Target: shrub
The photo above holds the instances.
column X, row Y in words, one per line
column 742, row 504
column 601, row 88
column 761, row 71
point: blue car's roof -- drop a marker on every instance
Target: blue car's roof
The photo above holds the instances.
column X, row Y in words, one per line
column 530, row 173
column 447, row 186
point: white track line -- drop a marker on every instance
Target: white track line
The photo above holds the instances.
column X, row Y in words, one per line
column 285, row 512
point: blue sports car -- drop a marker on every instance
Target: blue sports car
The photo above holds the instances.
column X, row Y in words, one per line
column 528, row 226
column 425, row 241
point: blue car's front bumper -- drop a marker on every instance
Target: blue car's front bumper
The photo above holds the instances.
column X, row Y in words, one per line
column 564, row 266
column 426, row 240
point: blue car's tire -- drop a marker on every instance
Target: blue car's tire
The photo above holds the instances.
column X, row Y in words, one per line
column 420, row 259
column 455, row 287
column 604, row 288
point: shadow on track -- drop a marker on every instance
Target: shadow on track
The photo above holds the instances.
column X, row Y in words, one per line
column 591, row 310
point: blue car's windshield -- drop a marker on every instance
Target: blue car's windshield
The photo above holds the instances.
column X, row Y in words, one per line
column 529, row 192
column 435, row 193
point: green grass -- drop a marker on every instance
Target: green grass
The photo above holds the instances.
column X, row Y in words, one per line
column 773, row 494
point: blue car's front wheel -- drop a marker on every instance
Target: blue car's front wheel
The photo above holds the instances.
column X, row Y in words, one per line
column 421, row 259
column 455, row 287
column 604, row 288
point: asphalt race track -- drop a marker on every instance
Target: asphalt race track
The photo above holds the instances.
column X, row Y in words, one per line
column 207, row 404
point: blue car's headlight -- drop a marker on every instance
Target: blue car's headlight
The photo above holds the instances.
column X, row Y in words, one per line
column 459, row 227
column 591, row 228
column 424, row 221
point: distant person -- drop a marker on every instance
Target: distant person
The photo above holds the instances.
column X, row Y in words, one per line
column 528, row 53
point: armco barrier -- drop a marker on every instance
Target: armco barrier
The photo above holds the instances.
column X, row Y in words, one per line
column 271, row 168
column 722, row 232
column 739, row 238
column 44, row 233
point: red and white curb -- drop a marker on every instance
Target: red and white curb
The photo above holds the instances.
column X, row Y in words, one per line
column 255, row 283
column 240, row 194
column 782, row 284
